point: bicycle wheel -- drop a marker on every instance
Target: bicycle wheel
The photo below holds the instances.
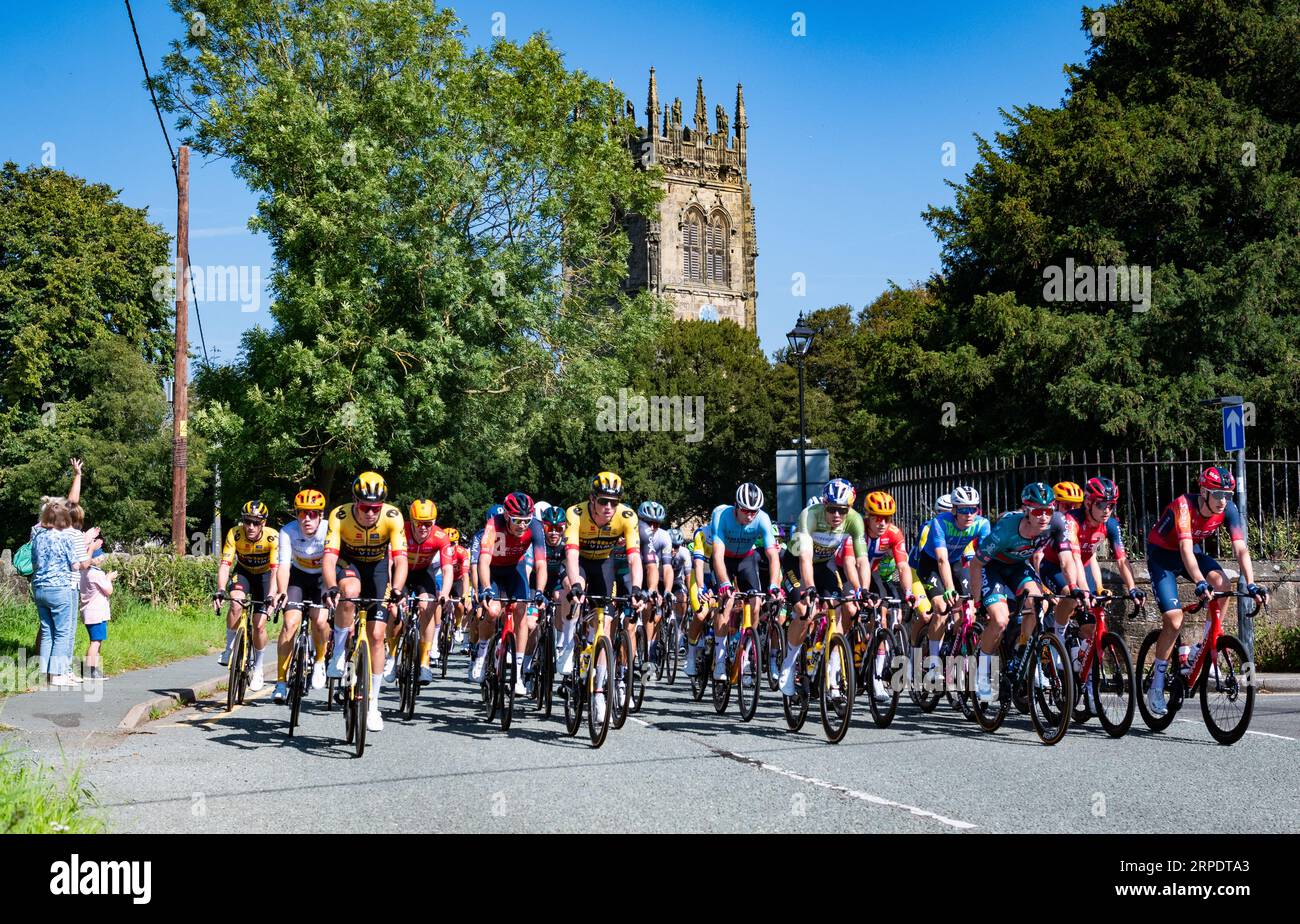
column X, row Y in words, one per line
column 506, row 680
column 601, row 685
column 639, row 669
column 361, row 699
column 750, row 674
column 776, row 650
column 572, row 690
column 235, row 695
column 703, row 670
column 1174, row 686
column 1227, row 691
column 297, row 678
column 445, row 635
column 622, row 679
column 410, row 671
column 721, row 688
column 796, row 707
column 668, row 647
column 964, row 679
column 491, row 682
column 882, row 665
column 1052, row 700
column 544, row 670
column 837, row 689
column 1111, row 685
column 989, row 716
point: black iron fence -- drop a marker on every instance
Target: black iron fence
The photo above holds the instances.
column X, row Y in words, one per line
column 1147, row 482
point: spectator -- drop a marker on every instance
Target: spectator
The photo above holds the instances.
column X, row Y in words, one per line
column 96, row 588
column 58, row 554
column 74, row 496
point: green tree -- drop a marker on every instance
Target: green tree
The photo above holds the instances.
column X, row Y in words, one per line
column 446, row 228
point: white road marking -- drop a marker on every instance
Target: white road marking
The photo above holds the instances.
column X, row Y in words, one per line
column 833, row 787
column 1248, row 731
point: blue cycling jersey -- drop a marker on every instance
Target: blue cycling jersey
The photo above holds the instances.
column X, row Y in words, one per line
column 738, row 541
column 1005, row 543
column 945, row 534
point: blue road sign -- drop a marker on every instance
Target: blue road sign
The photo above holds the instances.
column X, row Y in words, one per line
column 1234, row 434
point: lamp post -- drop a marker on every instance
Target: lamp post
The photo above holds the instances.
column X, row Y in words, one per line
column 800, row 339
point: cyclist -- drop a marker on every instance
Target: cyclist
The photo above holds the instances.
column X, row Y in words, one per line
column 703, row 585
column 591, row 531
column 737, row 532
column 1093, row 522
column 809, row 564
column 1001, row 570
column 252, row 549
column 429, row 551
column 363, row 537
column 463, row 590
column 657, row 557
column 507, row 538
column 302, row 546
column 951, row 536
column 1174, row 550
column 681, row 571
column 942, row 505
column 885, row 543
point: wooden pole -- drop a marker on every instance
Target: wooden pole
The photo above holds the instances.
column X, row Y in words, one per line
column 180, row 387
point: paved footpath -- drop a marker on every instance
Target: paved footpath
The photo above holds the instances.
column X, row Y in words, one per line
column 676, row 766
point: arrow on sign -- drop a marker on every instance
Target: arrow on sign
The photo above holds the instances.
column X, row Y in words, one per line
column 1234, row 424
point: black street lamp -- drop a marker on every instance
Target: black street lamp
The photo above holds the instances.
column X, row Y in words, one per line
column 800, row 339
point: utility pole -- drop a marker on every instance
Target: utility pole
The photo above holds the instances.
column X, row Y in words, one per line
column 180, row 387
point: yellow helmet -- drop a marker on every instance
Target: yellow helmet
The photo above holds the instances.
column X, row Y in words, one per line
column 453, row 534
column 370, row 487
column 1068, row 492
column 254, row 509
column 881, row 504
column 607, row 484
column 310, row 499
column 424, row 511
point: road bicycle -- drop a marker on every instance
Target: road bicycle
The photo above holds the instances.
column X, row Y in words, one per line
column 823, row 668
column 704, row 656
column 408, row 654
column 743, row 665
column 446, row 635
column 629, row 678
column 298, row 676
column 540, row 676
column 1219, row 669
column 878, row 639
column 668, row 641
column 502, row 667
column 1103, row 670
column 592, row 679
column 1037, row 678
column 240, row 669
column 958, row 653
column 354, row 687
column 772, row 645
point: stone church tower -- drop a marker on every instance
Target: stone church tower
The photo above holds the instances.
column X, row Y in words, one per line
column 699, row 251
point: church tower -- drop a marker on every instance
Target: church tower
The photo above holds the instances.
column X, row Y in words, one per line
column 698, row 252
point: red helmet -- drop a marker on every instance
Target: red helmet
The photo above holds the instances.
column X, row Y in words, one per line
column 1218, row 478
column 1101, row 489
column 518, row 504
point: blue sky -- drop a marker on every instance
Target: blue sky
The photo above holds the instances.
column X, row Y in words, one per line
column 847, row 122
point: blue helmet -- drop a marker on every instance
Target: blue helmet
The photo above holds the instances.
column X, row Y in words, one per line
column 838, row 493
column 554, row 515
column 652, row 512
column 1037, row 494
column 676, row 535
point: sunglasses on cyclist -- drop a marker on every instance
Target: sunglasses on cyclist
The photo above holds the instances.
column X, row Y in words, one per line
column 252, row 521
column 521, row 521
column 838, row 511
column 310, row 514
column 606, row 502
column 1220, row 495
column 965, row 511
column 369, row 508
column 1041, row 511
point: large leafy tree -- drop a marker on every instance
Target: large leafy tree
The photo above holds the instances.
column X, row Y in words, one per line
column 446, row 233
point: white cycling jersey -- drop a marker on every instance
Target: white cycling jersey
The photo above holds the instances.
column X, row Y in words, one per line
column 304, row 552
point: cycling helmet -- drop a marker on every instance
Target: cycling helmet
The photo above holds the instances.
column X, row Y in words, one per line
column 1102, row 489
column 1068, row 492
column 838, row 492
column 370, row 487
column 965, row 496
column 255, row 510
column 424, row 511
column 453, row 534
column 880, row 504
column 1218, row 478
column 607, row 484
column 943, row 504
column 310, row 499
column 749, row 496
column 1037, row 494
column 676, row 536
column 553, row 516
column 652, row 512
column 518, row 504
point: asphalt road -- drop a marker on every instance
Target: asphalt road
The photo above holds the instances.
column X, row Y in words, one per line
column 677, row 766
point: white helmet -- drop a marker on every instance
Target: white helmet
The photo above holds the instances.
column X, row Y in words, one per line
column 944, row 504
column 965, row 496
column 749, row 496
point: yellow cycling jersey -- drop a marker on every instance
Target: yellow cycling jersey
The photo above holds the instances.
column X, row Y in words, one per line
column 359, row 543
column 595, row 543
column 254, row 557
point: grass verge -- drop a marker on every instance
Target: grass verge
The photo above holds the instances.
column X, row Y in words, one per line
column 139, row 635
column 33, row 800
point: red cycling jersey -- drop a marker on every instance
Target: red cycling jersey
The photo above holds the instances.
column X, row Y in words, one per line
column 1182, row 519
column 461, row 559
column 422, row 554
column 892, row 541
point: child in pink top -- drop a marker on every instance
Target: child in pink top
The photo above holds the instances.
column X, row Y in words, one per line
column 96, row 588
